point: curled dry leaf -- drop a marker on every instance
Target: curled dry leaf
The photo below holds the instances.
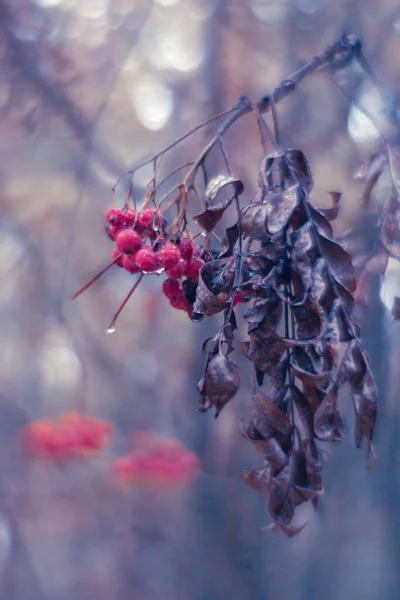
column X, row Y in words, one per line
column 279, row 208
column 339, row 262
column 328, row 424
column 338, row 328
column 269, row 214
column 214, row 210
column 319, row 379
column 390, row 223
column 300, row 169
column 394, row 163
column 264, row 351
column 332, row 213
column 357, row 372
column 220, row 384
column 214, row 286
column 264, row 310
column 390, row 228
column 229, row 241
column 266, row 414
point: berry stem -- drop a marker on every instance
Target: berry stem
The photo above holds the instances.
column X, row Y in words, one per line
column 95, row 278
column 171, row 146
column 186, row 164
column 123, row 304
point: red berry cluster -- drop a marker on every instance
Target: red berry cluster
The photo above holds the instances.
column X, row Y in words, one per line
column 140, row 247
column 70, row 436
column 158, row 464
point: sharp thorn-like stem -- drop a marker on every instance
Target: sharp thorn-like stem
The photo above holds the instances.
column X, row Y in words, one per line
column 95, row 278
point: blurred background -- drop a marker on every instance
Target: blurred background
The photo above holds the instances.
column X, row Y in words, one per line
column 88, row 88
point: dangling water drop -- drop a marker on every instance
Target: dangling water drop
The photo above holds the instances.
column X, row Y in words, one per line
column 158, row 272
column 197, row 317
column 111, row 329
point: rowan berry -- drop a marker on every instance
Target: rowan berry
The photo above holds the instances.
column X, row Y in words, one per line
column 147, row 218
column 178, row 271
column 193, row 267
column 167, row 464
column 169, row 256
column 115, row 216
column 130, row 217
column 172, row 289
column 240, row 298
column 43, row 438
column 186, row 248
column 128, row 241
column 129, row 263
column 117, row 254
column 124, row 469
column 180, row 303
column 113, row 230
column 147, row 261
column 84, row 433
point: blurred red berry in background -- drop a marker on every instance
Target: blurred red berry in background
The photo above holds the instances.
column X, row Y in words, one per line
column 165, row 464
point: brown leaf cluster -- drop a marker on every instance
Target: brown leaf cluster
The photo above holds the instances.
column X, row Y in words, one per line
column 282, row 257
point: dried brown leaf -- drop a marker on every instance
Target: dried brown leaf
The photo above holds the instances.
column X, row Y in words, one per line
column 265, row 348
column 394, row 163
column 357, row 372
column 215, row 282
column 265, row 414
column 328, row 424
column 265, row 310
column 279, row 497
column 300, row 168
column 320, row 379
column 332, row 212
column 339, row 262
column 307, row 483
column 390, row 227
column 220, row 384
column 229, row 241
column 214, row 210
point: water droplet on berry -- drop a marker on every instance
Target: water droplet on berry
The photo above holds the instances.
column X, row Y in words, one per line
column 197, row 317
column 157, row 272
column 111, row 329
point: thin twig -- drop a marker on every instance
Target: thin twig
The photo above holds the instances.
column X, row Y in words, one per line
column 335, row 57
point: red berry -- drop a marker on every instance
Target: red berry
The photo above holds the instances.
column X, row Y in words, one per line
column 130, row 217
column 147, row 218
column 180, row 303
column 172, row 289
column 115, row 254
column 193, row 268
column 178, row 271
column 42, row 437
column 113, row 231
column 115, row 216
column 128, row 241
column 186, row 248
column 147, row 260
column 169, row 256
column 129, row 263
column 240, row 298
